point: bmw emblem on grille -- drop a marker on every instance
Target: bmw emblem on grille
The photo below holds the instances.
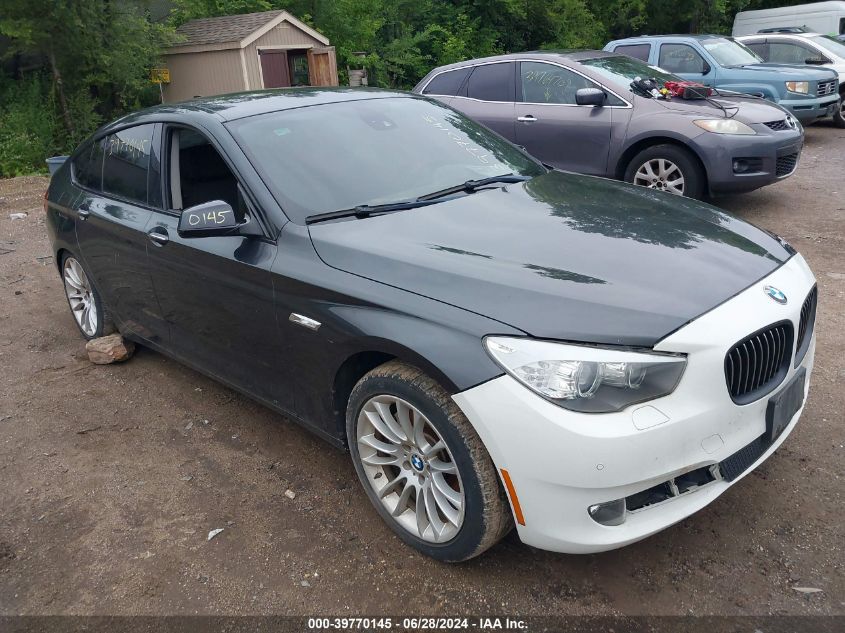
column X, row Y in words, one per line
column 417, row 462
column 775, row 294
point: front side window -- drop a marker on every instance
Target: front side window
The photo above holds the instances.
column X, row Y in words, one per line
column 680, row 58
column 637, row 51
column 729, row 52
column 126, row 163
column 492, row 82
column 622, row 70
column 448, row 83
column 87, row 167
column 199, row 174
column 789, row 53
column 548, row 83
column 337, row 156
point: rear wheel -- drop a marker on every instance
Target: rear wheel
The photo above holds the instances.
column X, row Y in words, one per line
column 85, row 302
column 423, row 466
column 667, row 168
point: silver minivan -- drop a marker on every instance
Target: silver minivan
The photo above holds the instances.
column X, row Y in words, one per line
column 611, row 115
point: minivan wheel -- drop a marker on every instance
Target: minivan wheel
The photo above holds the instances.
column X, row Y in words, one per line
column 667, row 168
column 423, row 466
column 85, row 302
column 839, row 113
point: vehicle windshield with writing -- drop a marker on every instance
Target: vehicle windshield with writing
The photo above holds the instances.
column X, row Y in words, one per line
column 495, row 343
column 606, row 114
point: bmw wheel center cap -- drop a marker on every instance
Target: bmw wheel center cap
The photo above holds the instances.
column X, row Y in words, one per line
column 417, row 462
column 775, row 294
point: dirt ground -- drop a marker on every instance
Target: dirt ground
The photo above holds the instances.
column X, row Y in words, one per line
column 112, row 477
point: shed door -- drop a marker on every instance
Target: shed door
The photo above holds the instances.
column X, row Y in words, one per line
column 322, row 66
column 274, row 68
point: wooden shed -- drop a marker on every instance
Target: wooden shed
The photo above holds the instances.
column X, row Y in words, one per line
column 271, row 49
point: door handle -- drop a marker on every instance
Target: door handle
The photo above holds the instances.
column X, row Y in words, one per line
column 528, row 118
column 158, row 238
column 83, row 211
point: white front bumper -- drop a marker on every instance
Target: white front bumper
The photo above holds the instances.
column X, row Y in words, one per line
column 561, row 462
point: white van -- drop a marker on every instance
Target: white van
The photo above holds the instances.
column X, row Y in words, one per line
column 827, row 18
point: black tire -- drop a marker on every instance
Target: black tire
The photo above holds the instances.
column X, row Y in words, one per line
column 487, row 516
column 105, row 324
column 695, row 179
column 839, row 113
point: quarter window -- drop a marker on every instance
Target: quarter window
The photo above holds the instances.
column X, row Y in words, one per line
column 637, row 51
column 680, row 58
column 87, row 168
column 448, row 83
column 492, row 82
column 548, row 83
column 127, row 161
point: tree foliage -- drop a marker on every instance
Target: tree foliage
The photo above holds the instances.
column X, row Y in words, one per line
column 68, row 65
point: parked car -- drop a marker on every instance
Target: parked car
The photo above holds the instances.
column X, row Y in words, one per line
column 821, row 17
column 493, row 341
column 804, row 48
column 807, row 93
column 582, row 112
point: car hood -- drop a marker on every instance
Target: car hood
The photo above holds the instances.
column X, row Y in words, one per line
column 563, row 256
column 786, row 72
column 749, row 110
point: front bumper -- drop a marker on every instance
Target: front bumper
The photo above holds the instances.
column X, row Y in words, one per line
column 561, row 462
column 808, row 110
column 764, row 152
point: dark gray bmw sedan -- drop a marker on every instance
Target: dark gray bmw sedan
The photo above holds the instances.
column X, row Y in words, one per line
column 494, row 342
column 611, row 115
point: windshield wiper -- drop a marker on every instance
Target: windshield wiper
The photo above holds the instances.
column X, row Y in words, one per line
column 471, row 186
column 366, row 210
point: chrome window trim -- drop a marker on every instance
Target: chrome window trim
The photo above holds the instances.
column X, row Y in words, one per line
column 628, row 105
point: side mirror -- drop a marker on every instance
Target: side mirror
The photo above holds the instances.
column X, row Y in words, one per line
column 816, row 61
column 208, row 219
column 706, row 69
column 590, row 97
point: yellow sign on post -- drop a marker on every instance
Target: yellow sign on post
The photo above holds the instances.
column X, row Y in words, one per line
column 160, row 75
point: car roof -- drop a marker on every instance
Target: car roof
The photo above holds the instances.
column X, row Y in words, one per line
column 688, row 36
column 804, row 35
column 574, row 55
column 238, row 105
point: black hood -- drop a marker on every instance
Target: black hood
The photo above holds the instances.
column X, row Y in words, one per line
column 562, row 256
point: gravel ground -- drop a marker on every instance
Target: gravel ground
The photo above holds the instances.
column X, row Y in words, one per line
column 112, row 478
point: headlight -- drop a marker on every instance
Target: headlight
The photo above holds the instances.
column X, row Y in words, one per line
column 587, row 379
column 724, row 126
column 802, row 87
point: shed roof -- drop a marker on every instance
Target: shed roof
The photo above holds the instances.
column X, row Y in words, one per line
column 235, row 31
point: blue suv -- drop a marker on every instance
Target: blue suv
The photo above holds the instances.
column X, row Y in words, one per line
column 723, row 63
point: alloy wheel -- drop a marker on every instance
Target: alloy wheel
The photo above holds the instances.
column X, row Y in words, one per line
column 661, row 174
column 80, row 296
column 410, row 468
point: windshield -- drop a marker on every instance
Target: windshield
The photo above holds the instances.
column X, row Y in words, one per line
column 337, row 156
column 730, row 52
column 830, row 43
column 622, row 70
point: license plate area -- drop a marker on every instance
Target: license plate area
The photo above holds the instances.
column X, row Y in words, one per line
column 784, row 405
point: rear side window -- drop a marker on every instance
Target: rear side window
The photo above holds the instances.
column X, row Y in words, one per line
column 87, row 168
column 127, row 161
column 680, row 58
column 448, row 83
column 637, row 51
column 492, row 82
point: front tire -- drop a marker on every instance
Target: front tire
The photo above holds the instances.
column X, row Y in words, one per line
column 84, row 300
column 423, row 466
column 667, row 168
column 839, row 113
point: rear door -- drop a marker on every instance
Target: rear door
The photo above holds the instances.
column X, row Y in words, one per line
column 120, row 178
column 488, row 97
column 553, row 128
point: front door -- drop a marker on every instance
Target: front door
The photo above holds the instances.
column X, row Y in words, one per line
column 216, row 293
column 274, row 69
column 120, row 177
column 553, row 128
column 686, row 62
